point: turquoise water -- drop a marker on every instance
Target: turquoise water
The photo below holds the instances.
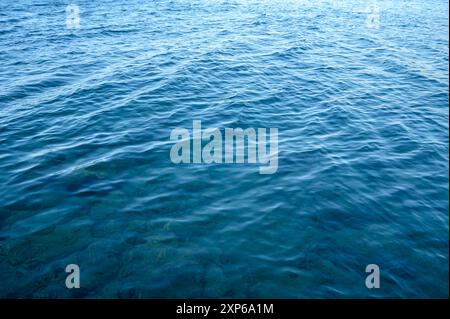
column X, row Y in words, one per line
column 86, row 176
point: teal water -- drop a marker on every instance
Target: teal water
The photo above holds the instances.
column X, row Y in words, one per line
column 86, row 176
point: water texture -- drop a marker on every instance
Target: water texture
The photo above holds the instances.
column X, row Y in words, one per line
column 86, row 176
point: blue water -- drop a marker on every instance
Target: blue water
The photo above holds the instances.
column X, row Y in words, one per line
column 86, row 176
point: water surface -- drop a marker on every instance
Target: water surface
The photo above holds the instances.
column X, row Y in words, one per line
column 86, row 177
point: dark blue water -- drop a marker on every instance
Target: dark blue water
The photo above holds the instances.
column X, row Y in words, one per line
column 86, row 176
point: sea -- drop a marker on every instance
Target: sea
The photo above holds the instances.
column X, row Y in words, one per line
column 90, row 91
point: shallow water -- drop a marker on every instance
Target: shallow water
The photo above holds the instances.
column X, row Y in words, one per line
column 86, row 177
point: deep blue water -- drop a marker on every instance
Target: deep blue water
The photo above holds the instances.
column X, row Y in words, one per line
column 86, row 177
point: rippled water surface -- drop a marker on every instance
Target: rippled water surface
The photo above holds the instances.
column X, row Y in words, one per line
column 86, row 176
